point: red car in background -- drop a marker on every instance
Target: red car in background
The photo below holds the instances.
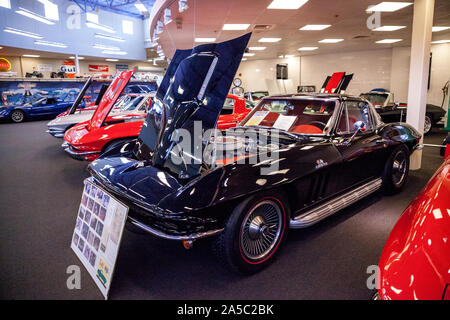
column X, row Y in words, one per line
column 415, row 263
column 89, row 139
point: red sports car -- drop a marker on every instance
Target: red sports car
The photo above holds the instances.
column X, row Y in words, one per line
column 415, row 263
column 89, row 139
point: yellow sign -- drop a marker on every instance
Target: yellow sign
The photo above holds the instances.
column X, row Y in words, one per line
column 5, row 65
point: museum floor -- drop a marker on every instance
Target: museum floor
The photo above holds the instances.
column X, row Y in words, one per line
column 40, row 190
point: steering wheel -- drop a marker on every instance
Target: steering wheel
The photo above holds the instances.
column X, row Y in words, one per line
column 318, row 124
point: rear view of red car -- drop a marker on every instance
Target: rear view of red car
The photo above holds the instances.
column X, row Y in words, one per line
column 415, row 263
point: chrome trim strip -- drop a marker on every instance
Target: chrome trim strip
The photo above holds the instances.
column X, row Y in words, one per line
column 163, row 235
column 334, row 205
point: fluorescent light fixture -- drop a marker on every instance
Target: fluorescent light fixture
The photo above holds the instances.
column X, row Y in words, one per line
column 112, row 60
column 437, row 29
column 31, row 55
column 5, row 4
column 289, row 56
column 331, row 40
column 235, row 26
column 108, row 37
column 257, row 48
column 244, row 59
column 100, row 27
column 388, row 6
column 315, row 27
column 142, row 9
column 120, row 53
column 1, row 48
column 308, row 48
column 22, row 33
column 389, row 41
column 79, row 58
column 269, row 39
column 127, row 26
column 205, row 39
column 101, row 46
column 50, row 43
column 440, row 41
column 286, row 4
column 32, row 15
column 50, row 9
column 389, row 28
column 91, row 17
column 249, row 54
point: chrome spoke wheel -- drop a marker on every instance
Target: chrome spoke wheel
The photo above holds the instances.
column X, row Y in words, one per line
column 261, row 229
column 399, row 168
column 17, row 116
column 427, row 125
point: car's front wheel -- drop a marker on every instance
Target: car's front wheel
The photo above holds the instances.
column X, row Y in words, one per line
column 17, row 116
column 254, row 233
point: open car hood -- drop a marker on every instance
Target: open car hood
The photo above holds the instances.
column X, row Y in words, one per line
column 77, row 101
column 109, row 98
column 192, row 91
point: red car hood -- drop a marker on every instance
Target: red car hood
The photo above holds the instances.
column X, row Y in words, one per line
column 109, row 98
column 415, row 263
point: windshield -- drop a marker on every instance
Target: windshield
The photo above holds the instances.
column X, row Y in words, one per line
column 131, row 105
column 38, row 101
column 375, row 98
column 228, row 106
column 259, row 95
column 305, row 116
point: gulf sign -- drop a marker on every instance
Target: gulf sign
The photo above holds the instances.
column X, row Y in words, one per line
column 5, row 65
column 69, row 68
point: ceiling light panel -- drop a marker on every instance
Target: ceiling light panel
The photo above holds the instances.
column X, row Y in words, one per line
column 315, row 27
column 269, row 39
column 389, row 28
column 308, row 48
column 388, row 6
column 256, row 48
column 440, row 41
column 205, row 39
column 437, row 29
column 389, row 41
column 23, row 33
column 50, row 44
column 331, row 40
column 286, row 4
column 235, row 26
column 32, row 15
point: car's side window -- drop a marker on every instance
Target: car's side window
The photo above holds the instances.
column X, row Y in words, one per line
column 353, row 112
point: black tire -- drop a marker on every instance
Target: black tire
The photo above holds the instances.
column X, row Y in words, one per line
column 428, row 126
column 17, row 116
column 238, row 245
column 396, row 170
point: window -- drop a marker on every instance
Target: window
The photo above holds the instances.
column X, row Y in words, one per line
column 91, row 17
column 127, row 27
column 353, row 112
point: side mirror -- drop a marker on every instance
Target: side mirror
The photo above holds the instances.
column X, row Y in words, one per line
column 359, row 126
column 289, row 107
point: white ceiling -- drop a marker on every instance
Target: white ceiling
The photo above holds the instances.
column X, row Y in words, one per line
column 205, row 18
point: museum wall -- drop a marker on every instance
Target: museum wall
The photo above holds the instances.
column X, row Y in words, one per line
column 255, row 72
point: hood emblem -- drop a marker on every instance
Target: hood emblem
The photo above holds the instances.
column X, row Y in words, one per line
column 320, row 163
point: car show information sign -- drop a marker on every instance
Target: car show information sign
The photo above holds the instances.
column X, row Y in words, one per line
column 98, row 233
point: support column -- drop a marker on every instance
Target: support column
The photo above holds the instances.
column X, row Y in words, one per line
column 418, row 70
column 77, row 65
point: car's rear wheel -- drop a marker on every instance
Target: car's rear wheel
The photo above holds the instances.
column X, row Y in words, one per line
column 396, row 170
column 17, row 116
column 253, row 233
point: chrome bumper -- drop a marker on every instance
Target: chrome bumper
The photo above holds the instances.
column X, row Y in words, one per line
column 56, row 133
column 163, row 235
column 74, row 153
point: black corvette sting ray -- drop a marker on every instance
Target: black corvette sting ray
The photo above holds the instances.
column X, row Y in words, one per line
column 293, row 161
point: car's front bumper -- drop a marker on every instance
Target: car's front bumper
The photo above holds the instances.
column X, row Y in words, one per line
column 185, row 227
column 56, row 132
column 79, row 154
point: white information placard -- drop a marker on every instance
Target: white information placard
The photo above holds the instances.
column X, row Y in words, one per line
column 284, row 122
column 257, row 117
column 98, row 233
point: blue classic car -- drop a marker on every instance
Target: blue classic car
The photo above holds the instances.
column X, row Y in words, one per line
column 41, row 107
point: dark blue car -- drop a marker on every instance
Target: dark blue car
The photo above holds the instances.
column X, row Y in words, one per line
column 41, row 107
